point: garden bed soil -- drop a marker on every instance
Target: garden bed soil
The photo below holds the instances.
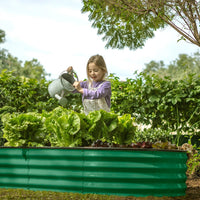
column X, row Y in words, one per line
column 193, row 189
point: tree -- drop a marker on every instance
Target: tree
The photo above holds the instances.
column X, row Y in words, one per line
column 131, row 22
column 184, row 66
column 33, row 69
column 178, row 69
column 2, row 36
column 153, row 66
column 30, row 69
column 9, row 62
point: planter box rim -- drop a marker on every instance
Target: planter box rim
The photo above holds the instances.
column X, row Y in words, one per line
column 97, row 148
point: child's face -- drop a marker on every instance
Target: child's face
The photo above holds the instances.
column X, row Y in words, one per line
column 95, row 73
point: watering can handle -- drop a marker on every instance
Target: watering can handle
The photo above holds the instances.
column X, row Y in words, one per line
column 75, row 75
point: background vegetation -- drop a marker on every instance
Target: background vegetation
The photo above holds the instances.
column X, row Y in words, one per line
column 163, row 97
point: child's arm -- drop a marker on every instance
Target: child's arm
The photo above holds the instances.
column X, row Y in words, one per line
column 103, row 91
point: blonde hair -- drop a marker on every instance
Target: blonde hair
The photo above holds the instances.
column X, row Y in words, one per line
column 99, row 61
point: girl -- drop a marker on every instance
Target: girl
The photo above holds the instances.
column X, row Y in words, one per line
column 96, row 92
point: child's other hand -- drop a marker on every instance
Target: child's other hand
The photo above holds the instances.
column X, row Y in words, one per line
column 78, row 87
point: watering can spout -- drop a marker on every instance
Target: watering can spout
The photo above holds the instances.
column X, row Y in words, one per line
column 62, row 100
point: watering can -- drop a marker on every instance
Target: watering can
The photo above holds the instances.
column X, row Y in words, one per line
column 62, row 86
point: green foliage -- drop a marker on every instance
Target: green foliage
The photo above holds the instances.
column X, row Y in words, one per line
column 130, row 23
column 161, row 102
column 121, row 27
column 3, row 111
column 125, row 131
column 69, row 128
column 152, row 135
column 102, row 125
column 26, row 95
column 31, row 69
column 193, row 164
column 25, row 129
column 110, row 127
column 2, row 36
column 10, row 63
column 66, row 128
column 178, row 69
column 74, row 102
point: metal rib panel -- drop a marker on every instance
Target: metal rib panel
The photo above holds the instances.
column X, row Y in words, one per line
column 138, row 173
column 13, row 168
column 105, row 171
column 56, row 169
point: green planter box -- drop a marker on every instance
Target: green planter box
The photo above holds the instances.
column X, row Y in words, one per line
column 122, row 172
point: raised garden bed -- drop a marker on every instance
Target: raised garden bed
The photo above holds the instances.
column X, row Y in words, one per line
column 111, row 171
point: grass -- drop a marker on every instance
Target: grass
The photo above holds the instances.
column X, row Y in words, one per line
column 21, row 194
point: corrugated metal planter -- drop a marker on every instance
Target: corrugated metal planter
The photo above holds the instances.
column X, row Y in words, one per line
column 123, row 172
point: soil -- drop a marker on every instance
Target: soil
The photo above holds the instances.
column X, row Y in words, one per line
column 193, row 189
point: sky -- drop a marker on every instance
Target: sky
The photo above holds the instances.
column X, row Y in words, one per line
column 58, row 35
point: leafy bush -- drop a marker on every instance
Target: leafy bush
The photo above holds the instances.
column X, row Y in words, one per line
column 26, row 95
column 160, row 102
column 31, row 95
column 153, row 135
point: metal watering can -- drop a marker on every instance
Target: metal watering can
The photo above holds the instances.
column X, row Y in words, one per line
column 62, row 86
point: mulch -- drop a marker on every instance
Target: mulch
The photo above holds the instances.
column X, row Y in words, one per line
column 193, row 189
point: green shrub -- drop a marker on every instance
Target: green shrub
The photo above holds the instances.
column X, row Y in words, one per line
column 153, row 135
column 160, row 102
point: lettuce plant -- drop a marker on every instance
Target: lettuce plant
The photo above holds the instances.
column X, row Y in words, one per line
column 66, row 128
column 23, row 129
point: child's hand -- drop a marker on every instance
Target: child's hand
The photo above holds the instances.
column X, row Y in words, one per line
column 78, row 86
column 70, row 69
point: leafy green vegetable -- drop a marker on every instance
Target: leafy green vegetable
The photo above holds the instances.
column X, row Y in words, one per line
column 3, row 111
column 126, row 130
column 98, row 128
column 110, row 127
column 67, row 128
column 25, row 129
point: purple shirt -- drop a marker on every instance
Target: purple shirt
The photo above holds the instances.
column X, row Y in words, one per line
column 103, row 91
